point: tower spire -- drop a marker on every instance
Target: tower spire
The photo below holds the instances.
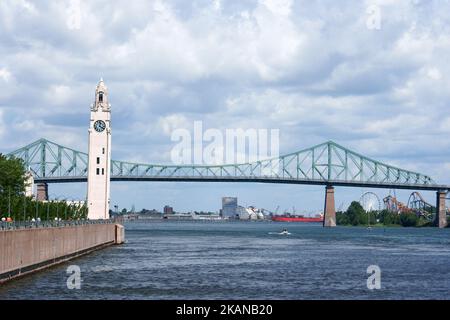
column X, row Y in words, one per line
column 101, row 97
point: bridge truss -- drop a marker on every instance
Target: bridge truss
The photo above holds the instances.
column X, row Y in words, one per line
column 324, row 164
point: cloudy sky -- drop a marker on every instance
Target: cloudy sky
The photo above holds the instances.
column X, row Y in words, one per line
column 328, row 70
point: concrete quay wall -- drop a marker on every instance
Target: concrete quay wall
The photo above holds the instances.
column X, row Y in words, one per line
column 23, row 251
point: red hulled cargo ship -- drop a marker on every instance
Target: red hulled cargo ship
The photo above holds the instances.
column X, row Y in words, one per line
column 285, row 218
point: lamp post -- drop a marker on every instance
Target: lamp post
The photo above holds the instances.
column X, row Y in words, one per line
column 9, row 202
column 116, row 208
column 70, row 210
column 48, row 210
column 85, row 209
column 65, row 210
column 57, row 207
column 74, row 211
column 37, row 209
column 58, row 198
column 24, row 207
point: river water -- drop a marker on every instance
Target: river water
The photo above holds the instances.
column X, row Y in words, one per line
column 250, row 260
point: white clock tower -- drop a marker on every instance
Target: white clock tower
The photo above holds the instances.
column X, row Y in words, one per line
column 99, row 155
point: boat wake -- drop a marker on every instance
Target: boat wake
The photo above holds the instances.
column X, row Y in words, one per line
column 281, row 233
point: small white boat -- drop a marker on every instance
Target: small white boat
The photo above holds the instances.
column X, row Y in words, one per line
column 282, row 233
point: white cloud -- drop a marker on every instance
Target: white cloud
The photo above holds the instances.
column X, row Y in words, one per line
column 11, row 8
column 2, row 126
column 172, row 122
column 5, row 75
column 279, row 7
column 434, row 74
column 257, row 43
column 59, row 95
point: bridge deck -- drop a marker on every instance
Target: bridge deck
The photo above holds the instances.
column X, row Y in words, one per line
column 340, row 183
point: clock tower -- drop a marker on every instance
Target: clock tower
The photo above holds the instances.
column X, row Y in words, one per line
column 99, row 168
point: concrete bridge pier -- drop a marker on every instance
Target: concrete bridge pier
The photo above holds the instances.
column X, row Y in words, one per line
column 441, row 215
column 42, row 192
column 329, row 211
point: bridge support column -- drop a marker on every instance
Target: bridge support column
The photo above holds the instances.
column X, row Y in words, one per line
column 441, row 215
column 329, row 211
column 42, row 192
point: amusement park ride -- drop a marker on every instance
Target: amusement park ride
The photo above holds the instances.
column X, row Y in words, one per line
column 416, row 204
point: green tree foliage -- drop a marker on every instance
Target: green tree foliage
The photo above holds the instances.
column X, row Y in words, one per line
column 424, row 222
column 341, row 218
column 12, row 176
column 356, row 214
column 25, row 208
column 389, row 218
column 14, row 203
column 409, row 219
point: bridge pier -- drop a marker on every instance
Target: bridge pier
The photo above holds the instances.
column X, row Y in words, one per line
column 42, row 192
column 441, row 214
column 329, row 219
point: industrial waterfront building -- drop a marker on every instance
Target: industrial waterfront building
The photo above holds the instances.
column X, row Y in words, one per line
column 229, row 207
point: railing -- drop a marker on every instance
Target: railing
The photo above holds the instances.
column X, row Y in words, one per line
column 4, row 225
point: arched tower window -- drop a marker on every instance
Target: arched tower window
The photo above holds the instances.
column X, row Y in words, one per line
column 100, row 96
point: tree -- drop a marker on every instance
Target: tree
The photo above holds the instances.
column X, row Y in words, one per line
column 408, row 219
column 12, row 176
column 14, row 203
column 12, row 185
column 341, row 218
column 356, row 214
column 389, row 218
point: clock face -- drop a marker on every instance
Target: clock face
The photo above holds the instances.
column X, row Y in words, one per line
column 99, row 125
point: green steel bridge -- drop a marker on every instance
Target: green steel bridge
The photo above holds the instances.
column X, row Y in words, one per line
column 327, row 164
column 324, row 164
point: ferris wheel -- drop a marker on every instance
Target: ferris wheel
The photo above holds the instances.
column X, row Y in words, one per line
column 370, row 202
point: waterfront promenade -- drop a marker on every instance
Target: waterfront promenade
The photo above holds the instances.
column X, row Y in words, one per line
column 29, row 246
